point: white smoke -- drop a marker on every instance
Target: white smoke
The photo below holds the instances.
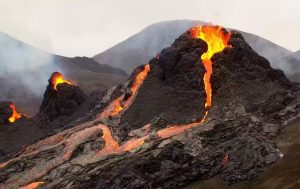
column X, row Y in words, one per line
column 24, row 71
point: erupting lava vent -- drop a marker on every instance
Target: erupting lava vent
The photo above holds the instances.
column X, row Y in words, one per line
column 216, row 40
column 15, row 115
column 57, row 78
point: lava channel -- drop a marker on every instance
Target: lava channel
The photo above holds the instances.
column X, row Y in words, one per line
column 117, row 106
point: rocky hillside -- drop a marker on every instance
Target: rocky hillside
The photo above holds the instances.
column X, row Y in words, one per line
column 293, row 65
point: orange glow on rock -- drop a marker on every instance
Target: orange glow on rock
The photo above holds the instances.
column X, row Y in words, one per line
column 57, row 79
column 15, row 115
column 33, row 185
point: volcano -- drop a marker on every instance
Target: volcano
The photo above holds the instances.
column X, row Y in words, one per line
column 61, row 98
column 206, row 106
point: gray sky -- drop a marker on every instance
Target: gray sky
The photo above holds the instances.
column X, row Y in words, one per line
column 88, row 27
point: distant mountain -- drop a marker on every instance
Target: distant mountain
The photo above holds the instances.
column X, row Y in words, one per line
column 24, row 73
column 141, row 47
column 292, row 63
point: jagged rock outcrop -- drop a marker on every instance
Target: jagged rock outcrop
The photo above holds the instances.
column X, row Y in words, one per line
column 138, row 147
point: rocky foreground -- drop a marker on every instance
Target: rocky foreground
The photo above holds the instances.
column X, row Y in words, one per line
column 133, row 137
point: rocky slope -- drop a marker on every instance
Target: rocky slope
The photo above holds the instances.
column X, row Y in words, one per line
column 134, row 135
column 293, row 65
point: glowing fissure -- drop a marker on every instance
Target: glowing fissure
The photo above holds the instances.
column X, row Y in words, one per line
column 57, row 79
column 117, row 106
column 15, row 115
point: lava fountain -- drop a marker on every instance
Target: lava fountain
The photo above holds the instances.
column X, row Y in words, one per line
column 15, row 115
column 217, row 40
column 57, row 78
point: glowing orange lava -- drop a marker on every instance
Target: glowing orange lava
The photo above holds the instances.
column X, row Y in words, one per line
column 57, row 78
column 117, row 105
column 15, row 115
column 33, row 185
column 112, row 146
column 217, row 41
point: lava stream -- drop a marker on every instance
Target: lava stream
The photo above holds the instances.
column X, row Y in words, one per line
column 216, row 40
column 117, row 105
column 15, row 115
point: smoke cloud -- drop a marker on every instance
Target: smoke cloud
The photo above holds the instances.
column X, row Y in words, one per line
column 24, row 72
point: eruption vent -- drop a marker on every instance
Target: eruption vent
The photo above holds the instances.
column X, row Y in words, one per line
column 15, row 115
column 57, row 78
column 216, row 40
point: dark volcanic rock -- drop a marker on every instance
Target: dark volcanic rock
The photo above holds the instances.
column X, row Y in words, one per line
column 14, row 136
column 5, row 112
column 250, row 104
column 61, row 102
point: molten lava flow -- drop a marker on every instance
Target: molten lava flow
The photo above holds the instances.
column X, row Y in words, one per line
column 33, row 185
column 217, row 41
column 57, row 78
column 15, row 115
column 117, row 105
column 112, row 146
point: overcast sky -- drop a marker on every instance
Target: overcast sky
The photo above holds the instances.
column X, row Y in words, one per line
column 88, row 27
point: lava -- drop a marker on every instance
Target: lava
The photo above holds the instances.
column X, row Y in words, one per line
column 15, row 115
column 112, row 146
column 117, row 105
column 57, row 78
column 33, row 185
column 216, row 40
